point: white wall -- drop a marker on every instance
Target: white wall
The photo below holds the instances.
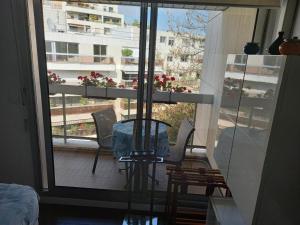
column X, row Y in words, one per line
column 227, row 33
column 16, row 151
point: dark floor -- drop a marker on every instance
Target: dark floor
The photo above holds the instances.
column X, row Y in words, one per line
column 74, row 169
column 75, row 215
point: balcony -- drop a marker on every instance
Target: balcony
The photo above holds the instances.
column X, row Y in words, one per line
column 57, row 61
column 74, row 136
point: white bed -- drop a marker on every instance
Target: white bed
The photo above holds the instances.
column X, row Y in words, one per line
column 18, row 205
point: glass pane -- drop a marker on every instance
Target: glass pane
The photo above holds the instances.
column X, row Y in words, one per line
column 103, row 50
column 96, row 49
column 86, row 76
column 232, row 90
column 178, row 65
column 73, row 48
column 61, row 47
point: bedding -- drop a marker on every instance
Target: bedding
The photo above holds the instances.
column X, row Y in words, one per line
column 18, row 205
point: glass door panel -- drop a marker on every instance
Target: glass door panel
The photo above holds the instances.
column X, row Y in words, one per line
column 92, row 53
column 178, row 64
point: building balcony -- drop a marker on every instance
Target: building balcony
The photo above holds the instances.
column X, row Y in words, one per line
column 76, row 62
column 93, row 11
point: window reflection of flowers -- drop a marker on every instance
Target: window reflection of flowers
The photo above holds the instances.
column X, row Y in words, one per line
column 53, row 78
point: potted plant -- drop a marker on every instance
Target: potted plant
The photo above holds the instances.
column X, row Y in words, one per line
column 97, row 85
column 54, row 81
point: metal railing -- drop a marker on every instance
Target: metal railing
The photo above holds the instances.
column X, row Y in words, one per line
column 127, row 112
column 126, row 109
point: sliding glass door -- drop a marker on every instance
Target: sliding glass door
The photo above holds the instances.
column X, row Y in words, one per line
column 129, row 60
column 95, row 54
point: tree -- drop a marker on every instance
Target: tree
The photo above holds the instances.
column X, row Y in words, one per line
column 127, row 52
column 188, row 31
column 135, row 23
column 173, row 114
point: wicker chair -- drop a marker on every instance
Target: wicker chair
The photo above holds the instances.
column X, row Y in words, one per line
column 104, row 121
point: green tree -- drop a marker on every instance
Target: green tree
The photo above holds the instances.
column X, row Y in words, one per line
column 83, row 101
column 174, row 114
column 136, row 23
column 127, row 52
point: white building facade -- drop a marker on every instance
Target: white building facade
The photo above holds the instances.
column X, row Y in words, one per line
column 82, row 37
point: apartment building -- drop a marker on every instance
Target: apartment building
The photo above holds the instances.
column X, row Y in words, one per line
column 84, row 37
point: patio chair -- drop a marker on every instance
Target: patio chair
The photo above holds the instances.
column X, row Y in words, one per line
column 177, row 152
column 104, row 121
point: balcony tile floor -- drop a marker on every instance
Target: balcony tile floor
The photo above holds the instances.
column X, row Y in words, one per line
column 74, row 169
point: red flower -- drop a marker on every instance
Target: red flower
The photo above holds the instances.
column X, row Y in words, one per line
column 134, row 80
column 99, row 75
column 110, row 80
column 93, row 74
column 156, row 78
column 172, row 78
column 79, row 77
column 106, row 78
column 163, row 76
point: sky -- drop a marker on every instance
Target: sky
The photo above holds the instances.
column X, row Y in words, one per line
column 132, row 13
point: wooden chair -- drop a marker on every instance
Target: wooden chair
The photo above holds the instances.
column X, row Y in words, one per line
column 209, row 179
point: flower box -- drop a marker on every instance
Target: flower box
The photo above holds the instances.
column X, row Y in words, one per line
column 121, row 92
column 113, row 93
column 67, row 89
column 95, row 92
column 163, row 97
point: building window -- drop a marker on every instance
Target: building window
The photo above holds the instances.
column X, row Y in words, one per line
column 65, row 51
column 82, row 16
column 61, row 47
column 162, row 39
column 107, row 30
column 99, row 52
column 100, row 49
column 170, row 58
column 76, row 28
column 110, row 9
column 184, row 58
column 186, row 42
column 73, row 48
column 171, row 41
column 67, row 48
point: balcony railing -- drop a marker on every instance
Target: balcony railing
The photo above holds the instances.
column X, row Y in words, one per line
column 71, row 120
column 129, row 60
column 82, row 59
